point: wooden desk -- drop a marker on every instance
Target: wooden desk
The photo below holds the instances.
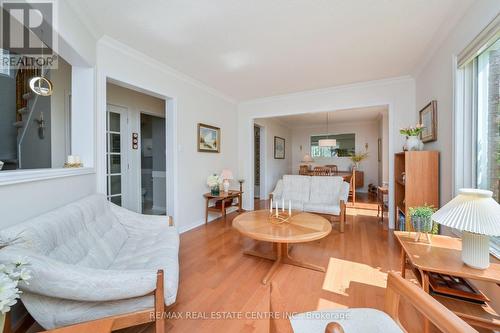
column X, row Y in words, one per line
column 223, row 198
column 444, row 255
column 302, row 227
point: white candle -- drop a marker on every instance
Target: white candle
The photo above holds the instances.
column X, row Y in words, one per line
column 77, row 159
column 271, row 207
column 70, row 159
column 283, row 205
column 290, row 207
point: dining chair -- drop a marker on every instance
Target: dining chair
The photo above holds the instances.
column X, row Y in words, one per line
column 322, row 171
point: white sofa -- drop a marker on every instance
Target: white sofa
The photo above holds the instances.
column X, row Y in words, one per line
column 315, row 194
column 92, row 259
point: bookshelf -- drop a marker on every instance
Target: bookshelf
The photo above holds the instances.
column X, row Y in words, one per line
column 420, row 185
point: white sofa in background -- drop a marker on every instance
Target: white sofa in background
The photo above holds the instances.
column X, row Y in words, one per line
column 315, row 194
column 92, row 259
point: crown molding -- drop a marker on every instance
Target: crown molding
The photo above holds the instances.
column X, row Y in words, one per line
column 329, row 90
column 136, row 54
column 87, row 22
column 442, row 34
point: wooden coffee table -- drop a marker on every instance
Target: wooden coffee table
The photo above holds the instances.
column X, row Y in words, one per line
column 302, row 227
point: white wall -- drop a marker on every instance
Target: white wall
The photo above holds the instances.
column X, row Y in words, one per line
column 397, row 93
column 436, row 82
column 59, row 102
column 365, row 132
column 274, row 169
column 191, row 103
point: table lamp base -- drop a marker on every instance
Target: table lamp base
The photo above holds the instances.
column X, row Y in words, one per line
column 476, row 250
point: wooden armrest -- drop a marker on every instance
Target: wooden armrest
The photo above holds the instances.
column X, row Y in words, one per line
column 445, row 320
column 159, row 303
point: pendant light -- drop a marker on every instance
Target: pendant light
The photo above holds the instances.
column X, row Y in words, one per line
column 41, row 85
column 327, row 142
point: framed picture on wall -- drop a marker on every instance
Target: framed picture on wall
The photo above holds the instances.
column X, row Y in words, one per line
column 428, row 118
column 208, row 139
column 279, row 148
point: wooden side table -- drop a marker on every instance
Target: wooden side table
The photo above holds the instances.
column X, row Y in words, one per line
column 381, row 192
column 443, row 255
column 223, row 198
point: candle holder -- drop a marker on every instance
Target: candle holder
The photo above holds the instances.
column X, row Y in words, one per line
column 282, row 217
column 73, row 165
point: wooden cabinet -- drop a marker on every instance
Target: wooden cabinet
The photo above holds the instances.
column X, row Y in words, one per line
column 416, row 183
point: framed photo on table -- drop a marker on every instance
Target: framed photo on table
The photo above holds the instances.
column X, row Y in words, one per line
column 279, row 148
column 428, row 118
column 208, row 138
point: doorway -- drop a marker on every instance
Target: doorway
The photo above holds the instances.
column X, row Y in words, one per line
column 256, row 157
column 153, row 165
column 136, row 145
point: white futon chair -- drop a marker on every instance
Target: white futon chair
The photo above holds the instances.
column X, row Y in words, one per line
column 92, row 259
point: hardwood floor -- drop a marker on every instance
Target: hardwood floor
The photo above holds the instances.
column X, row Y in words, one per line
column 216, row 279
column 216, row 276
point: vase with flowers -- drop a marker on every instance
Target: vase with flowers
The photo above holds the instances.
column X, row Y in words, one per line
column 11, row 275
column 412, row 134
column 214, row 182
column 357, row 158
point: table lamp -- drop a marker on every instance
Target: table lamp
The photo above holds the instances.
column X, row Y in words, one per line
column 307, row 159
column 226, row 175
column 477, row 215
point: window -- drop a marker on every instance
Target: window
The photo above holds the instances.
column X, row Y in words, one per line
column 4, row 70
column 34, row 130
column 346, row 146
column 477, row 138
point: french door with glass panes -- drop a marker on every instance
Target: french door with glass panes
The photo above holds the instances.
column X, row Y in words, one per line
column 116, row 154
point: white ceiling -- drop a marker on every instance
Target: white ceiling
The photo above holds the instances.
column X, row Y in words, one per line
column 334, row 117
column 255, row 48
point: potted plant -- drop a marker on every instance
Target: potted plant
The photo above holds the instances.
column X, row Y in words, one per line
column 10, row 277
column 357, row 158
column 412, row 134
column 214, row 181
column 421, row 220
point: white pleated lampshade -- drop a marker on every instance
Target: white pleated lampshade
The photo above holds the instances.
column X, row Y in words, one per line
column 471, row 210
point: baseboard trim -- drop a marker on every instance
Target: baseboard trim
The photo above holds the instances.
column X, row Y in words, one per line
column 211, row 217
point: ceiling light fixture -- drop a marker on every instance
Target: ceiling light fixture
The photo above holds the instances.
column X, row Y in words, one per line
column 332, row 143
column 40, row 85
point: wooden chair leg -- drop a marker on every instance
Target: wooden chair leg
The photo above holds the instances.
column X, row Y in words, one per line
column 342, row 215
column 159, row 303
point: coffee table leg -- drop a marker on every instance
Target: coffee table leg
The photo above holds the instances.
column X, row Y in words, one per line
column 258, row 254
column 279, row 257
column 290, row 261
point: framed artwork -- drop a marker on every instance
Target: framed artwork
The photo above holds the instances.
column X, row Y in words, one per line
column 279, row 148
column 208, row 139
column 428, row 118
